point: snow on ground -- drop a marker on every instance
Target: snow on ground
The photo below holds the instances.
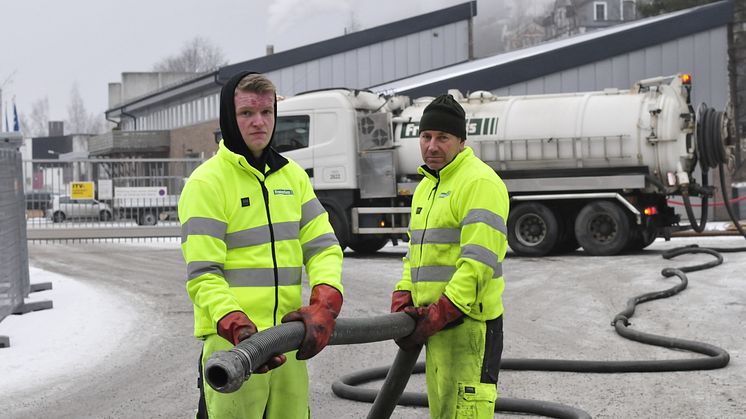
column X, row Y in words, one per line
column 82, row 329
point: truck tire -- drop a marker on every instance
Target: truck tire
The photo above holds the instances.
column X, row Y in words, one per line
column 104, row 215
column 368, row 245
column 58, row 217
column 641, row 238
column 339, row 226
column 566, row 241
column 602, row 228
column 533, row 229
column 147, row 218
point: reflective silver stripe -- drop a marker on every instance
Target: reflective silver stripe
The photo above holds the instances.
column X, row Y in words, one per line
column 310, row 210
column 318, row 244
column 480, row 254
column 286, row 231
column 196, row 269
column 437, row 236
column 433, row 273
column 442, row 273
column 487, row 217
column 204, row 227
column 262, row 277
column 260, row 235
column 248, row 237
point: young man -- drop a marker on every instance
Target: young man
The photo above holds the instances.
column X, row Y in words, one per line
column 452, row 281
column 250, row 223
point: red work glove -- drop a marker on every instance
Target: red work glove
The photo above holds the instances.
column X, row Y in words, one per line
column 430, row 319
column 400, row 300
column 319, row 317
column 235, row 327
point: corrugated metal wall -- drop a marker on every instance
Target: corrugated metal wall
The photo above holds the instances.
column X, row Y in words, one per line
column 378, row 63
column 14, row 272
column 704, row 55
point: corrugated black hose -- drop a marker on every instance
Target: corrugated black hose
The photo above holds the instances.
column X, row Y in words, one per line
column 227, row 370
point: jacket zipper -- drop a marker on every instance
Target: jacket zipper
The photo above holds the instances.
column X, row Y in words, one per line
column 265, row 193
column 431, row 200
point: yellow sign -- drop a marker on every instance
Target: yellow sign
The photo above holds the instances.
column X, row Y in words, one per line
column 81, row 190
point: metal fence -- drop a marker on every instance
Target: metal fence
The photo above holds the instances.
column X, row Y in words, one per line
column 104, row 199
column 14, row 272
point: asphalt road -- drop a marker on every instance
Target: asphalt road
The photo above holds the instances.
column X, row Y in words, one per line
column 556, row 307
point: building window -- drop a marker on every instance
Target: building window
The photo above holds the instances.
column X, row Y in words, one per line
column 599, row 10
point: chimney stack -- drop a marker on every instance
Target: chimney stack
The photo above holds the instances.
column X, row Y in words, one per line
column 56, row 128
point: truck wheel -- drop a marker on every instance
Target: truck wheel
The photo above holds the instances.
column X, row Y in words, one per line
column 602, row 228
column 104, row 215
column 566, row 242
column 339, row 226
column 147, row 219
column 533, row 229
column 58, row 217
column 368, row 245
column 641, row 238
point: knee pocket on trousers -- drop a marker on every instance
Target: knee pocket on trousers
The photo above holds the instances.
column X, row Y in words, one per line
column 476, row 400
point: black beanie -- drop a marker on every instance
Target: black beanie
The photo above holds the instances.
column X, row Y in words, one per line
column 444, row 114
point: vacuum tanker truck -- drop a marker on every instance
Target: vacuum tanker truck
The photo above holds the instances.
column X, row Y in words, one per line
column 591, row 169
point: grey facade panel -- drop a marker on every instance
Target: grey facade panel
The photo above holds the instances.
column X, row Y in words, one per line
column 388, row 55
column 593, row 48
column 313, row 75
column 400, row 58
column 425, row 51
column 355, row 40
column 351, row 71
column 413, row 55
column 377, row 64
column 364, row 66
column 326, row 71
column 706, row 51
column 620, row 70
column 570, row 81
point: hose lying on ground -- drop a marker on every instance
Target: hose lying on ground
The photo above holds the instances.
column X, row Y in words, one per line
column 716, row 357
column 227, row 370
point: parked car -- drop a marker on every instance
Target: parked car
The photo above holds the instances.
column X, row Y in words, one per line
column 65, row 208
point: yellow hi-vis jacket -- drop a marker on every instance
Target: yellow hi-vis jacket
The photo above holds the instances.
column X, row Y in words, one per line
column 246, row 237
column 458, row 238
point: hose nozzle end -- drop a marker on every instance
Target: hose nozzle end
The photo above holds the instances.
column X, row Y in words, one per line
column 225, row 371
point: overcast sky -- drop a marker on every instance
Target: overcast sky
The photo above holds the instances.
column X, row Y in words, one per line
column 48, row 45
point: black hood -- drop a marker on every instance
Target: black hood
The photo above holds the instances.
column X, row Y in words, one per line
column 232, row 137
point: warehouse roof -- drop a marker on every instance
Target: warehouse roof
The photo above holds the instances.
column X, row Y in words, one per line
column 525, row 64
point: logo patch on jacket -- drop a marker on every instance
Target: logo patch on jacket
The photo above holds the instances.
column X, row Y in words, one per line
column 283, row 191
column 444, row 194
column 245, row 202
column 418, row 210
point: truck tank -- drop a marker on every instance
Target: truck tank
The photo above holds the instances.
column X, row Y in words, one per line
column 648, row 127
column 590, row 169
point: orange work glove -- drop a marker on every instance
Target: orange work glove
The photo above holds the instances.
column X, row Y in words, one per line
column 235, row 327
column 319, row 317
column 430, row 320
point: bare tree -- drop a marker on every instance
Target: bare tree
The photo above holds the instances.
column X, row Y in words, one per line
column 37, row 124
column 79, row 121
column 197, row 56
